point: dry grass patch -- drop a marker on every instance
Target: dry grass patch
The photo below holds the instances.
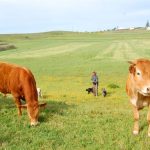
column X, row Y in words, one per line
column 6, row 46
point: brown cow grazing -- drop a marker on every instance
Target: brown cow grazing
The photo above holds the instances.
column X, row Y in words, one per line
column 138, row 89
column 20, row 82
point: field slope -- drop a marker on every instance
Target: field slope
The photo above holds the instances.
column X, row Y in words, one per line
column 62, row 63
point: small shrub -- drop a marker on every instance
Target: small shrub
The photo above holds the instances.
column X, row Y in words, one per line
column 4, row 47
column 11, row 46
column 113, row 86
column 27, row 37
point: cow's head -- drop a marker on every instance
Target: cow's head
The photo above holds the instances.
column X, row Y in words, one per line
column 33, row 112
column 140, row 74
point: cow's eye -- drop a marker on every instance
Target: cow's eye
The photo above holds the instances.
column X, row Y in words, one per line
column 138, row 73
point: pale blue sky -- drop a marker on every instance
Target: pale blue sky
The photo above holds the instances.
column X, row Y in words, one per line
column 21, row 16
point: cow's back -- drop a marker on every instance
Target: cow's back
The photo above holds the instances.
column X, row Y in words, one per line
column 5, row 71
column 17, row 80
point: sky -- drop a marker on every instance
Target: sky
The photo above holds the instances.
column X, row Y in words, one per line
column 28, row 16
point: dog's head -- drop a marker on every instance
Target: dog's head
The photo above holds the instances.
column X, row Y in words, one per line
column 89, row 90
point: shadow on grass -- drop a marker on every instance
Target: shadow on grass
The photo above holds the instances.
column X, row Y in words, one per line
column 144, row 125
column 6, row 102
column 53, row 108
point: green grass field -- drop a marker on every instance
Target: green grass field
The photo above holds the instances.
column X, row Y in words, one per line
column 62, row 63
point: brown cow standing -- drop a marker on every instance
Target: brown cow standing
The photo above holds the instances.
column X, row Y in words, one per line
column 138, row 89
column 20, row 82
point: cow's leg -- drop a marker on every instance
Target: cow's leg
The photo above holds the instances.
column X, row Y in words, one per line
column 136, row 120
column 18, row 104
column 148, row 119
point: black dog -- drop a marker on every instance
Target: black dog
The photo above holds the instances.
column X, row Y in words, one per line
column 104, row 92
column 90, row 90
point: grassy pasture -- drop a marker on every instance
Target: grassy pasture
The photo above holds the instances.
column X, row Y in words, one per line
column 62, row 63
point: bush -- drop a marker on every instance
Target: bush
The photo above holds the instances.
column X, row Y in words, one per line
column 113, row 86
column 4, row 46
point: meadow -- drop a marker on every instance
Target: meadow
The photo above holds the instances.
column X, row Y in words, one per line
column 62, row 63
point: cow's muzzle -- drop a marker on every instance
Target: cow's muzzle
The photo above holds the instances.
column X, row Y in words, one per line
column 34, row 123
column 148, row 90
column 144, row 93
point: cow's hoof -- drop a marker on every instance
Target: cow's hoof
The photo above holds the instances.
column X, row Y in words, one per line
column 135, row 132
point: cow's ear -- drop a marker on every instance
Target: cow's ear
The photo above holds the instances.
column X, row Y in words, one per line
column 42, row 105
column 132, row 66
column 132, row 69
